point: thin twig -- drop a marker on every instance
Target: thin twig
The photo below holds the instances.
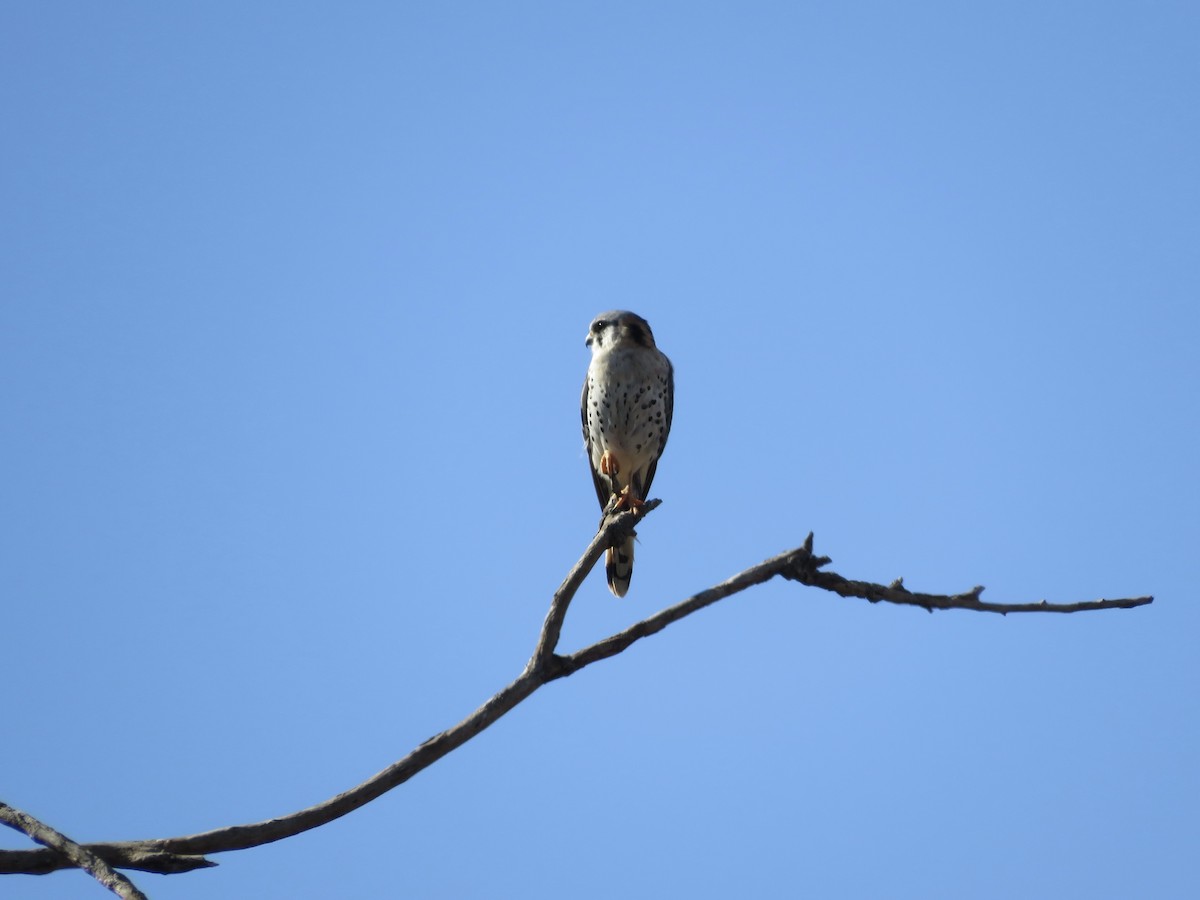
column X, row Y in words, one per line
column 805, row 568
column 77, row 854
column 544, row 666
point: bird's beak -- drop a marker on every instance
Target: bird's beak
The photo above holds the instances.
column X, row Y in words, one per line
column 587, row 342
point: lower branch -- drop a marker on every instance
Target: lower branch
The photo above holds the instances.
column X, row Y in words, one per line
column 74, row 853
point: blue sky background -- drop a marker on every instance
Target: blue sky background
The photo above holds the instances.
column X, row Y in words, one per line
column 291, row 342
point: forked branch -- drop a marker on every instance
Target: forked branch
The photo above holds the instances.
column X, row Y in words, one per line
column 178, row 854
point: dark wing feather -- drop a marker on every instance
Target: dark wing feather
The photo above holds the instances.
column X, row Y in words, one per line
column 603, row 491
column 669, row 412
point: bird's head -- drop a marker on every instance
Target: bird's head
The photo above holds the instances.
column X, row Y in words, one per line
column 619, row 328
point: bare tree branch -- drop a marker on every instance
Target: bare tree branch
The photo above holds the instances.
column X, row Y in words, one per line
column 802, row 566
column 76, row 854
column 544, row 666
column 610, row 529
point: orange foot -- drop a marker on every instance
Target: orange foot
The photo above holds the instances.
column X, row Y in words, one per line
column 608, row 464
column 626, row 499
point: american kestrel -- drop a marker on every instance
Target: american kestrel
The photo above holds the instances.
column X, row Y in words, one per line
column 628, row 399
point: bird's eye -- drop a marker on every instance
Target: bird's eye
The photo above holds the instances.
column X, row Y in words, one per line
column 599, row 325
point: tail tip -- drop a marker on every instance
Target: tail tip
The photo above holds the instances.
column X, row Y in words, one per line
column 618, row 567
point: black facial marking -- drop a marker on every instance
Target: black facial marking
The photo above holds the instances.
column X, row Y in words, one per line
column 639, row 334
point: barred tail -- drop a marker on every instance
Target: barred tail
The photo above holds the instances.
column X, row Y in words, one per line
column 618, row 566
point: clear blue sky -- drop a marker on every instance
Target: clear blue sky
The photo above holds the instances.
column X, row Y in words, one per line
column 291, row 342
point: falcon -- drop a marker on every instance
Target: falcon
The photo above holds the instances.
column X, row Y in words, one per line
column 628, row 398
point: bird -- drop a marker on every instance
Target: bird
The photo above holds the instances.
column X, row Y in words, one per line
column 627, row 404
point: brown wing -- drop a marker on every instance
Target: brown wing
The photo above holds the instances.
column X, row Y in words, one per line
column 668, row 413
column 603, row 491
